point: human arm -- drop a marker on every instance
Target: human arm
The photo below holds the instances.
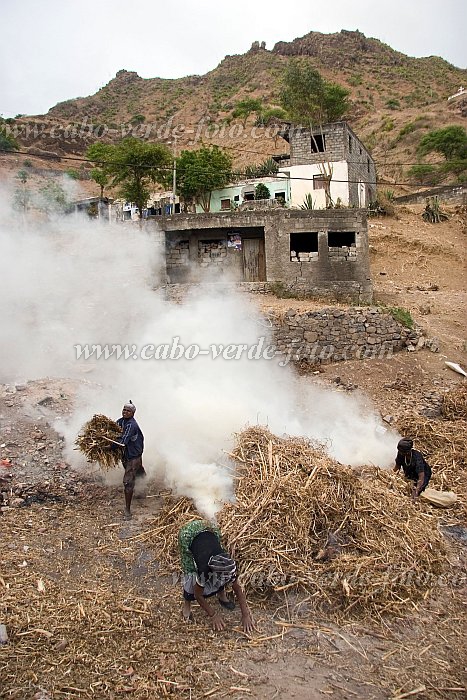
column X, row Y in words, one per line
column 247, row 620
column 417, row 489
column 397, row 463
column 217, row 622
column 128, row 431
column 420, row 465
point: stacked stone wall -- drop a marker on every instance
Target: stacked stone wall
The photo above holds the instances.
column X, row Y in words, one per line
column 331, row 335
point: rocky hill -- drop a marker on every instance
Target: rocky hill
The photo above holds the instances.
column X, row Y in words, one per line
column 395, row 99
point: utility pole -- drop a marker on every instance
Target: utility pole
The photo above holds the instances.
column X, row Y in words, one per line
column 174, row 176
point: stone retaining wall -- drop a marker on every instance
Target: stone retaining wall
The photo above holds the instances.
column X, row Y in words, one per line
column 331, row 335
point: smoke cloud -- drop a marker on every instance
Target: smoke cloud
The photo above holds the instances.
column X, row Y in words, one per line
column 74, row 281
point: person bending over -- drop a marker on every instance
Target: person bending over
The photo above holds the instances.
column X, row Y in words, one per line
column 207, row 571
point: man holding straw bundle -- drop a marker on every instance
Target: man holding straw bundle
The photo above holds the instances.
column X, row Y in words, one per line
column 132, row 440
column 207, row 570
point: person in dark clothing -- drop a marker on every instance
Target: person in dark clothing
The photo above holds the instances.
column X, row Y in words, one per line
column 207, row 570
column 415, row 467
column 132, row 440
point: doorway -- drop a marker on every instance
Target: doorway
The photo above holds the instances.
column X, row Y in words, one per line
column 254, row 260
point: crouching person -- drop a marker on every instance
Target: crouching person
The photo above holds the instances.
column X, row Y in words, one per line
column 414, row 465
column 207, row 571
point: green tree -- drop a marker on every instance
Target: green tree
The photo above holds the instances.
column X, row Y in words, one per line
column 22, row 176
column 101, row 178
column 262, row 192
column 425, row 174
column 73, row 174
column 270, row 115
column 133, row 166
column 245, row 107
column 267, row 167
column 451, row 142
column 309, row 99
column 22, row 194
column 52, row 198
column 7, row 141
column 201, row 171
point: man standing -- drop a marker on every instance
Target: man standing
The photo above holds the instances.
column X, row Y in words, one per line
column 415, row 467
column 207, row 570
column 132, row 440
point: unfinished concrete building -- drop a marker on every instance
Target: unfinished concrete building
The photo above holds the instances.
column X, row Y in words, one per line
column 322, row 253
column 333, row 145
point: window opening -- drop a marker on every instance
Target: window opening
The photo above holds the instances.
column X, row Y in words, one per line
column 341, row 239
column 318, row 143
column 304, row 246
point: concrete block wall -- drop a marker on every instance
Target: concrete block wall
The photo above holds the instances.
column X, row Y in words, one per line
column 212, row 253
column 347, row 253
column 301, row 144
column 335, row 272
column 178, row 254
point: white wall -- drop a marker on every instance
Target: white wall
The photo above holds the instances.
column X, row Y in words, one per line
column 300, row 188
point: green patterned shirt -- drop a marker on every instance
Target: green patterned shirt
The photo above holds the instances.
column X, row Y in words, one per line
column 186, row 536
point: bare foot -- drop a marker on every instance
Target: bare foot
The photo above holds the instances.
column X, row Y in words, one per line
column 127, row 514
column 186, row 611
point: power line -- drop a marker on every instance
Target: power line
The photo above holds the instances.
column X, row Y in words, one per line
column 204, row 171
column 55, row 157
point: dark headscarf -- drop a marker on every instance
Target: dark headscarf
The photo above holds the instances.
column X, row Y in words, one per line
column 405, row 445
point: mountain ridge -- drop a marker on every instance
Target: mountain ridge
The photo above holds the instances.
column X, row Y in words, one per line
column 395, row 99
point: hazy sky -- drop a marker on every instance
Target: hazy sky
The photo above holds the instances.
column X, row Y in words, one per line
column 53, row 50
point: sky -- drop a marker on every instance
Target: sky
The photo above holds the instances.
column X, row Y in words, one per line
column 53, row 50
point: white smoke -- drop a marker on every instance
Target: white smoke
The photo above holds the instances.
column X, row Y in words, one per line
column 75, row 281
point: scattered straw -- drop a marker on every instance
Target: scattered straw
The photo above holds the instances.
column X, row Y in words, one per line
column 92, row 443
column 455, row 403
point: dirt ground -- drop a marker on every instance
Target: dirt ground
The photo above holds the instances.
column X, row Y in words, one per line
column 89, row 614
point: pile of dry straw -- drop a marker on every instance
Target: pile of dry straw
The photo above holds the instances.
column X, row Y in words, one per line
column 95, row 448
column 352, row 540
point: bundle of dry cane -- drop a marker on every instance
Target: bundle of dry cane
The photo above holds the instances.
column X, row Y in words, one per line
column 353, row 541
column 92, row 443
